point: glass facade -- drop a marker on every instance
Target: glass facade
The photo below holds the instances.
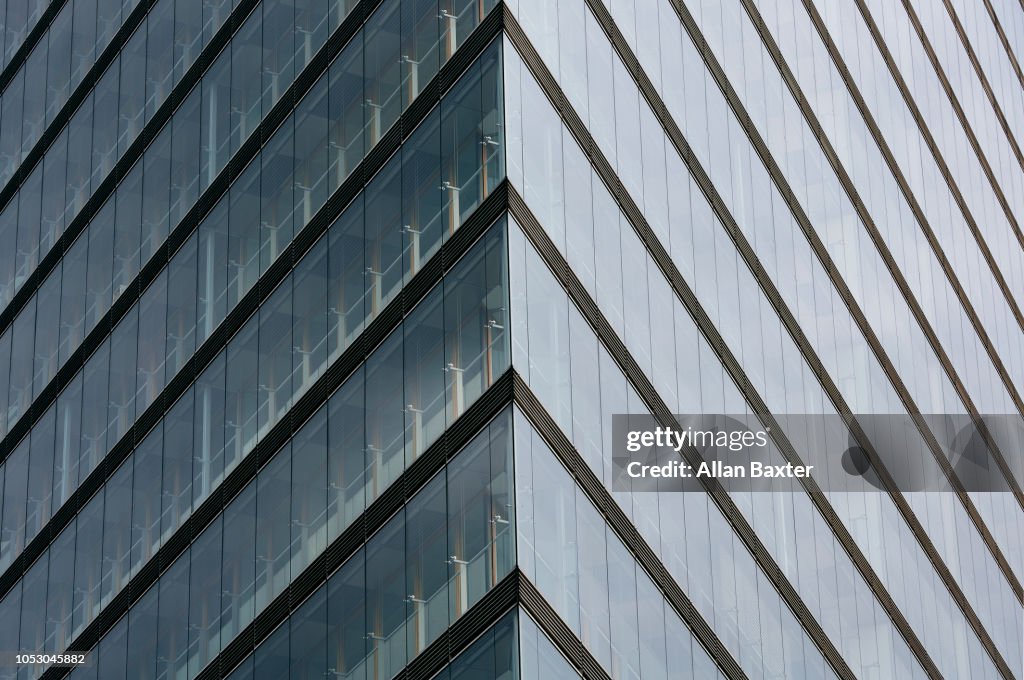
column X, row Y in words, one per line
column 314, row 316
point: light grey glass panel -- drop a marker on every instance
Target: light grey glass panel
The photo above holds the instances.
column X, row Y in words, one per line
column 539, row 657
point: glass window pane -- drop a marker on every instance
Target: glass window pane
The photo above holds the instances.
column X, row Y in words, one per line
column 132, row 91
column 478, row 519
column 88, row 564
column 10, row 135
column 311, row 152
column 112, row 659
column 386, row 598
column 494, row 655
column 348, row 644
column 33, row 121
column 277, row 206
column 540, row 658
column 152, row 341
column 146, row 490
column 384, row 415
column 308, row 652
column 172, row 621
column 548, row 329
column 47, row 332
column 347, row 145
column 58, row 61
column 188, row 35
column 475, row 323
column 108, row 20
column 419, row 45
column 346, row 464
column 68, row 443
column 182, row 299
column 102, row 255
column 204, row 598
column 425, row 375
column 346, row 289
column 244, row 234
column 213, row 271
column 208, row 447
column 384, row 236
column 121, row 395
column 159, row 55
column 29, row 205
column 278, row 50
column 623, row 604
column 271, row 659
column 156, row 193
column 5, row 372
column 215, row 121
column 243, row 671
column 422, row 221
column 310, row 317
column 241, row 393
column 83, row 40
column 95, row 387
column 73, row 292
column 427, row 572
column 9, row 234
column 383, row 71
column 143, row 636
column 185, row 155
column 246, row 88
column 215, row 13
column 273, row 534
column 311, row 24
column 595, row 617
column 10, row 625
column 117, row 530
column 177, row 464
column 40, row 474
column 309, row 492
column 12, row 530
column 129, row 230
column 238, row 575
column 55, row 181
column 275, row 357
column 33, row 610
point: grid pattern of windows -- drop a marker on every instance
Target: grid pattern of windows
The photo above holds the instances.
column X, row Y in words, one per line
column 315, row 313
column 424, row 568
column 339, row 286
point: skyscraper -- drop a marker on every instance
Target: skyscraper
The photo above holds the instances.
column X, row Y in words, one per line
column 316, row 315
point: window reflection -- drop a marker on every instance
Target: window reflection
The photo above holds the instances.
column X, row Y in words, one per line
column 382, row 418
column 411, row 208
column 354, row 292
column 385, row 605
